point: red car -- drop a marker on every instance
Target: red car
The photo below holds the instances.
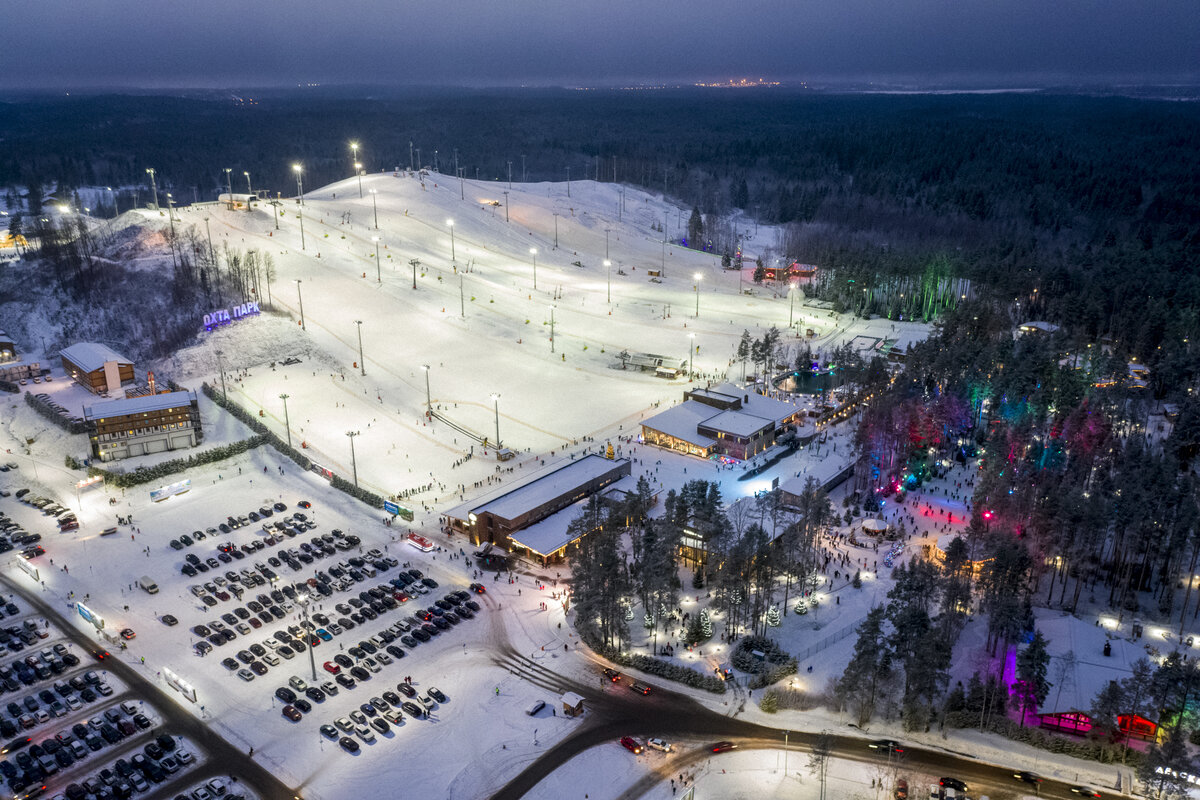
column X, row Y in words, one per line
column 332, row 668
column 292, row 713
column 723, row 747
column 632, row 745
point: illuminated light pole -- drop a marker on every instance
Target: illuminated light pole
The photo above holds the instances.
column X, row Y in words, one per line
column 378, row 274
column 608, row 266
column 362, row 363
column 353, row 462
column 533, row 252
column 496, row 406
column 354, row 155
column 301, row 296
column 221, row 369
column 153, row 186
column 300, row 214
column 249, row 188
column 358, row 169
column 299, row 182
column 606, row 230
column 287, row 423
column 375, row 208
column 691, row 351
column 229, row 185
column 428, row 398
column 506, row 206
column 698, row 278
column 450, row 225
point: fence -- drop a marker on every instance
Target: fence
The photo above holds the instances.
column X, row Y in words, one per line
column 821, row 644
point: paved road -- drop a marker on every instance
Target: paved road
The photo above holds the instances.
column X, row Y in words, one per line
column 615, row 712
column 223, row 758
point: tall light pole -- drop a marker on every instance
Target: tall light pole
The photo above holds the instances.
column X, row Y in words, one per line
column 378, row 274
column 375, row 208
column 608, row 266
column 450, row 225
column 299, row 182
column 153, row 186
column 462, row 300
column 428, row 398
column 353, row 462
column 358, row 171
column 301, row 296
column 791, row 303
column 691, row 351
column 312, row 659
column 362, row 363
column 354, row 155
column 249, row 188
column 510, row 174
column 533, row 252
column 506, row 206
column 555, row 230
column 300, row 214
column 287, row 423
column 522, row 168
column 211, row 253
column 496, row 406
column 551, row 329
column 606, row 230
column 411, row 167
column 568, row 181
column 221, row 369
column 698, row 278
column 229, row 185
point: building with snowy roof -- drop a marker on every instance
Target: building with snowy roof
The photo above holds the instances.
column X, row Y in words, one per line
column 1037, row 327
column 138, row 426
column 96, row 367
column 721, row 421
column 499, row 517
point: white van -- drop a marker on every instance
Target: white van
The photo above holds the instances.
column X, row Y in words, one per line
column 536, row 707
column 147, row 583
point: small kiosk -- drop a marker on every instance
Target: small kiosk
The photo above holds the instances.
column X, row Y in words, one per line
column 572, row 705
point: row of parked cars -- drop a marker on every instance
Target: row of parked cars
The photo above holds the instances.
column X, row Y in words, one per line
column 276, row 533
column 36, row 667
column 382, row 713
column 125, row 777
column 16, row 638
column 65, row 697
column 29, row 763
column 67, row 415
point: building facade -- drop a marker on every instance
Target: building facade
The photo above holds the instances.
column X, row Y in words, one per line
column 141, row 425
column 96, row 367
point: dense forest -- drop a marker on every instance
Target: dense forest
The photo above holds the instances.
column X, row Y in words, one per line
column 1085, row 211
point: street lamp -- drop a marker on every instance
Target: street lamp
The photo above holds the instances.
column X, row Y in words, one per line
column 496, row 406
column 450, row 224
column 221, row 369
column 353, row 462
column 608, row 266
column 153, row 186
column 606, row 230
column 299, row 182
column 533, row 252
column 698, row 278
column 378, row 275
column 362, row 363
column 354, row 154
column 375, row 208
column 301, row 296
column 358, row 171
column 428, row 400
column 287, row 423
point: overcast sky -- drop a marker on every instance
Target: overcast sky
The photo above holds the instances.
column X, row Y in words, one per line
column 206, row 43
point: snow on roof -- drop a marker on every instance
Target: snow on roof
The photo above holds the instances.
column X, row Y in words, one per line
column 90, row 356
column 682, row 420
column 138, row 405
column 571, row 699
column 825, row 471
column 549, row 535
column 541, row 490
column 758, row 404
column 737, row 423
column 1039, row 325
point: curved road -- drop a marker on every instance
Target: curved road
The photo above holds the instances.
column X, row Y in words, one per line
column 617, row 712
column 223, row 758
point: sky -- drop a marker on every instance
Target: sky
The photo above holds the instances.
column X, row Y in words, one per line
column 241, row 43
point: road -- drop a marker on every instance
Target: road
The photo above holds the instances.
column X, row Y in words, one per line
column 223, row 758
column 615, row 712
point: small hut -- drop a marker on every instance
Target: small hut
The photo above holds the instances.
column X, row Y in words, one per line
column 572, row 704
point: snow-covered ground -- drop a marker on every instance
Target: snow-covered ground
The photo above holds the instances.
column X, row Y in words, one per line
column 483, row 329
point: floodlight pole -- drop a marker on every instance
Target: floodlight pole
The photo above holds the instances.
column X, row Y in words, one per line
column 221, row 368
column 428, row 398
column 287, row 423
column 353, row 462
column 301, row 296
column 362, row 364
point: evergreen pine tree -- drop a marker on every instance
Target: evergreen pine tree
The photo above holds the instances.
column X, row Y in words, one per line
column 706, row 624
column 1032, row 686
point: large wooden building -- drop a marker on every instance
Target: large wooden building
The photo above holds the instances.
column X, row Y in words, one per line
column 724, row 421
column 137, row 426
column 97, row 367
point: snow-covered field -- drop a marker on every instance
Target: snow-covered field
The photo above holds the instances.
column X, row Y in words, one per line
column 478, row 322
